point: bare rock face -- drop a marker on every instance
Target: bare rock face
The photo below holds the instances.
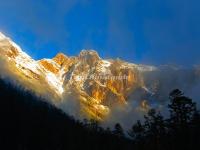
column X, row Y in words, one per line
column 7, row 49
column 60, row 59
column 48, row 65
column 96, row 85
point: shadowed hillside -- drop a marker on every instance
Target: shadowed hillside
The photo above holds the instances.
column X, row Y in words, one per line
column 28, row 123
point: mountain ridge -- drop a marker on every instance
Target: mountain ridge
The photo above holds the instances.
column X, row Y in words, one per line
column 62, row 73
column 89, row 86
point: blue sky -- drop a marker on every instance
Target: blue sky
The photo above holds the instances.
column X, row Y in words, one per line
column 141, row 31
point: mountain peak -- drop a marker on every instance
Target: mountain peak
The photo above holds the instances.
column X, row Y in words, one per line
column 86, row 53
column 60, row 55
column 60, row 58
column 89, row 56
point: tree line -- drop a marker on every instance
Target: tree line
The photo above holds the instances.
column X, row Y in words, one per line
column 29, row 123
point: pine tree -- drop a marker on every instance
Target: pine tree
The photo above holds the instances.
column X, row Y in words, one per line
column 181, row 108
column 137, row 132
column 118, row 130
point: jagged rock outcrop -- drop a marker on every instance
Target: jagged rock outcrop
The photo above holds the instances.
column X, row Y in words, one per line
column 96, row 84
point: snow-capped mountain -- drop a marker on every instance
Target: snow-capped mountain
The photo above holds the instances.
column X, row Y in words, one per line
column 86, row 81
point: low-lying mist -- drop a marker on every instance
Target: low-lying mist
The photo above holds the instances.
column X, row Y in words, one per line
column 159, row 83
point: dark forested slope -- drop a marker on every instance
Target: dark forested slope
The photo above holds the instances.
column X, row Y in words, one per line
column 28, row 123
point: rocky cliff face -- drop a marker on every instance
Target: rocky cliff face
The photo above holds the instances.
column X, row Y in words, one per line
column 94, row 83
